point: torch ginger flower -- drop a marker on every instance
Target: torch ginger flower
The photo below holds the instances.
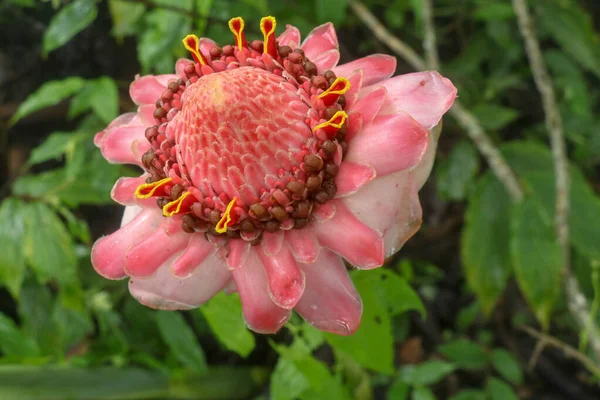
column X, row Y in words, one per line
column 266, row 165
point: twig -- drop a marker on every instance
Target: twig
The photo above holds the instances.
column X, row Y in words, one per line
column 429, row 37
column 576, row 300
column 566, row 349
column 465, row 118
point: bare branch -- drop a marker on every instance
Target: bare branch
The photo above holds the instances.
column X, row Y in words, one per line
column 465, row 118
column 429, row 37
column 576, row 300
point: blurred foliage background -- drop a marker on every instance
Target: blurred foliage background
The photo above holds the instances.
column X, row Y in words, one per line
column 472, row 308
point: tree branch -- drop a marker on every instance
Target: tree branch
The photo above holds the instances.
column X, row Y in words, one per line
column 465, row 118
column 576, row 300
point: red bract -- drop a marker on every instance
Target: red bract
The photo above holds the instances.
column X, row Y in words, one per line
column 266, row 165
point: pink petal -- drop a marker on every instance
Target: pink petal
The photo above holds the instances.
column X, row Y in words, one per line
column 166, row 292
column 390, row 143
column 426, row 96
column 272, row 242
column 376, row 68
column 352, row 176
column 117, row 144
column 330, row 302
column 326, row 60
column 109, row 251
column 346, row 235
column 290, row 37
column 286, row 281
column 147, row 89
column 260, row 313
column 355, row 80
column 238, row 252
column 146, row 114
column 389, row 205
column 123, row 192
column 180, row 67
column 197, row 250
column 423, row 170
column 144, row 258
column 321, row 39
column 369, row 105
column 304, row 245
column 123, row 119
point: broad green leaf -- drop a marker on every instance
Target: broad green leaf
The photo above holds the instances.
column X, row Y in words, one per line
column 49, row 94
column 464, row 353
column 125, row 16
column 507, row 365
column 493, row 116
column 485, row 241
column 372, row 344
column 223, row 314
column 456, row 174
column 426, row 373
column 68, row 22
column 493, row 11
column 181, row 339
column 48, row 247
column 571, row 81
column 469, row 394
column 23, row 382
column 331, row 10
column 398, row 391
column 12, row 236
column 499, row 390
column 35, row 310
column 572, row 27
column 537, row 257
column 533, row 162
column 422, row 393
column 101, row 95
column 287, row 382
column 53, row 147
column 467, row 315
column 13, row 342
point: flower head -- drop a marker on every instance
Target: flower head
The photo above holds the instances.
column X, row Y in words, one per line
column 266, row 165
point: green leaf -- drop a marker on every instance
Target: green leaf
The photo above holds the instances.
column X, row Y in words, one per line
column 223, row 313
column 13, row 342
column 426, row 373
column 331, row 11
column 571, row 81
column 537, row 258
column 465, row 353
column 53, row 147
column 498, row 390
column 493, row 116
column 12, row 236
column 49, row 94
column 508, row 366
column 101, row 95
column 287, row 382
column 125, row 16
column 35, row 310
column 181, row 339
column 485, row 241
column 493, row 11
column 398, row 391
column 469, row 394
column 572, row 27
column 423, row 393
column 384, row 294
column 68, row 22
column 24, row 382
column 458, row 171
column 48, row 246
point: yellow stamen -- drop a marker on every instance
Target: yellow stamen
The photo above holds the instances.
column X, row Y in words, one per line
column 336, row 122
column 147, row 190
column 267, row 27
column 175, row 206
column 225, row 221
column 192, row 44
column 236, row 26
column 340, row 86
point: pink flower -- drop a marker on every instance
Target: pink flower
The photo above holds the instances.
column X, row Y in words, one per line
column 266, row 165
